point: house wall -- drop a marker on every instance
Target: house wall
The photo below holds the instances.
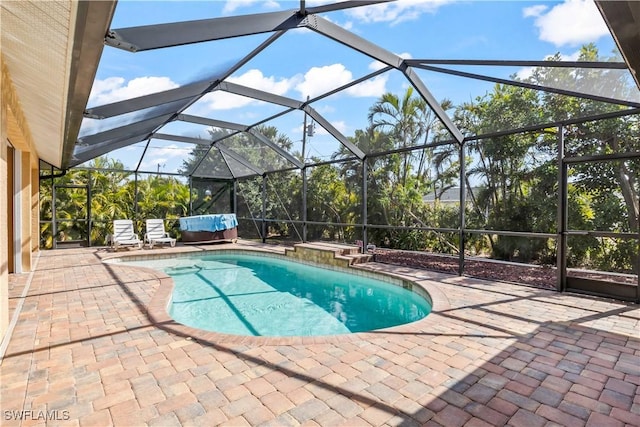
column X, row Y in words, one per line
column 4, row 235
column 19, row 207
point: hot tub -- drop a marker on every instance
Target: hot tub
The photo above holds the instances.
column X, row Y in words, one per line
column 209, row 228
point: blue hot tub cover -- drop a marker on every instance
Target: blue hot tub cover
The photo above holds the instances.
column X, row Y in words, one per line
column 213, row 222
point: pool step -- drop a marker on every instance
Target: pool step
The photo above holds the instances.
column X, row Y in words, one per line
column 338, row 248
column 328, row 253
column 359, row 258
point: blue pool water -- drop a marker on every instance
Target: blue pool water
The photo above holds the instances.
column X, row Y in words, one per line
column 266, row 296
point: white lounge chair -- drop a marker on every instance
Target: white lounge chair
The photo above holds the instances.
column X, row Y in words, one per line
column 123, row 234
column 156, row 233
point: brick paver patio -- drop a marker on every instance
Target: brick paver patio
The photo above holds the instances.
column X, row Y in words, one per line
column 92, row 348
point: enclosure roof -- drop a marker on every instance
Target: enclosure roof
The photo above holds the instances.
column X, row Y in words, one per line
column 199, row 121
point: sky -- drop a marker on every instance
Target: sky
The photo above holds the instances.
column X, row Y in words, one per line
column 304, row 64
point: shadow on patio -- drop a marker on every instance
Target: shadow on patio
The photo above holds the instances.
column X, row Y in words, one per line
column 85, row 344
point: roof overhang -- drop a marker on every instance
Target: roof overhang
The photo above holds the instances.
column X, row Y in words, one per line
column 623, row 20
column 51, row 51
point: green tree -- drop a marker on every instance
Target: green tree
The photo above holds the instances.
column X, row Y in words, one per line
column 408, row 121
column 613, row 187
column 503, row 165
column 161, row 197
column 111, row 196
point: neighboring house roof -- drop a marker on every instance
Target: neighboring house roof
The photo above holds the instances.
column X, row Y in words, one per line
column 451, row 195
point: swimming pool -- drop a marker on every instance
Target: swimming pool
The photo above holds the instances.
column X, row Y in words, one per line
column 244, row 294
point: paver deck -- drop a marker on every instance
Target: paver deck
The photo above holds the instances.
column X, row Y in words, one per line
column 90, row 349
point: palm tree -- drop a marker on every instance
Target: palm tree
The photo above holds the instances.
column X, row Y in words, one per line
column 400, row 118
column 111, row 197
column 430, row 125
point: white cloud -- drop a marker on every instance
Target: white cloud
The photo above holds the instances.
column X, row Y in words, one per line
column 233, row 5
column 167, row 157
column 325, row 109
column 256, row 80
column 526, row 72
column 571, row 23
column 168, row 151
column 253, row 78
column 348, row 25
column 340, row 125
column 377, row 65
column 319, row 80
column 534, row 11
column 396, row 12
column 114, row 89
column 374, row 87
column 151, row 164
column 573, row 57
column 90, row 126
column 220, row 100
